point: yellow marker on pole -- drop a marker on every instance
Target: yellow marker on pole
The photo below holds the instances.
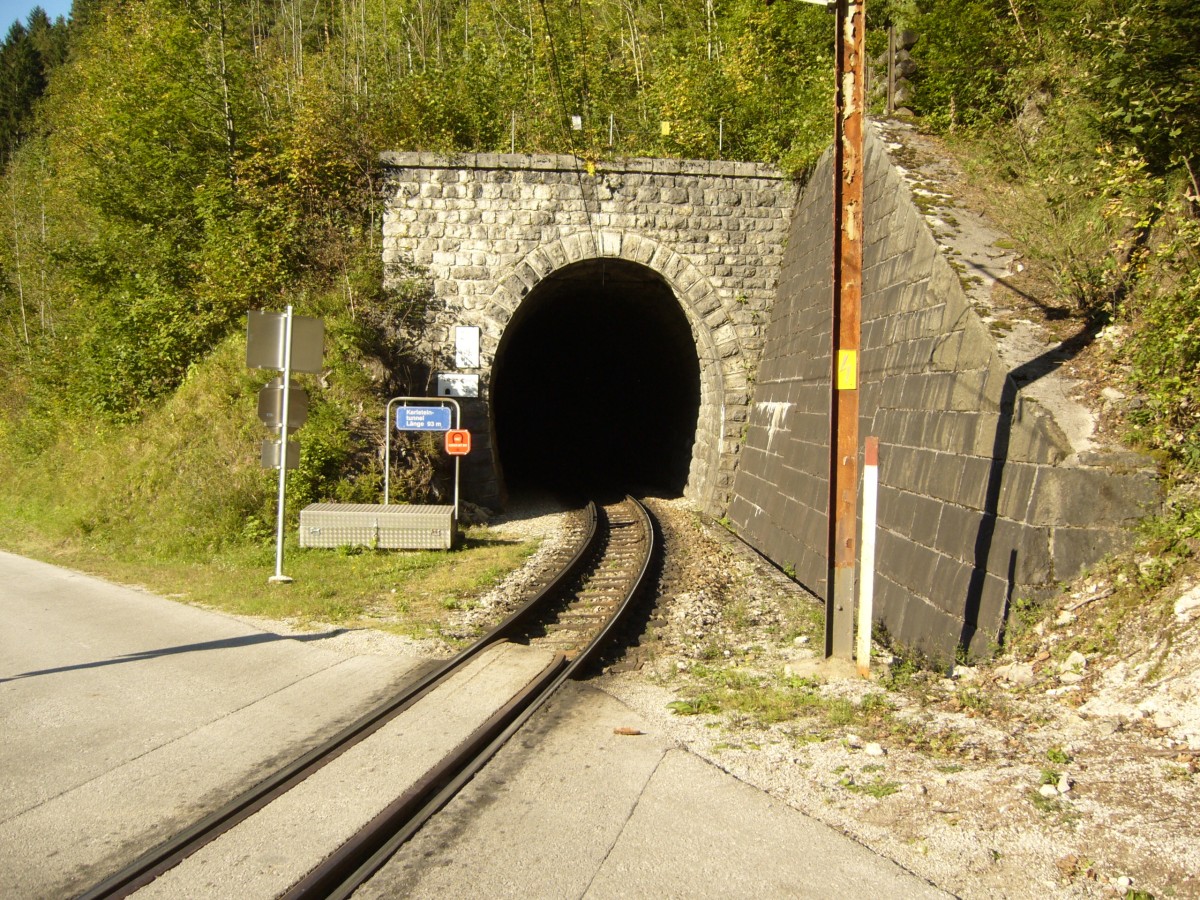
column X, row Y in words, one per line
column 847, row 372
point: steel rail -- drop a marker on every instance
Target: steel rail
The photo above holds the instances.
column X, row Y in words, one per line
column 363, row 855
column 171, row 852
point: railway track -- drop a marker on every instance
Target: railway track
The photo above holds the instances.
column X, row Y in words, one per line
column 563, row 625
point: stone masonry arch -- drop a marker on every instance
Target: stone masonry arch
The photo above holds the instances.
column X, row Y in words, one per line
column 720, row 353
column 488, row 228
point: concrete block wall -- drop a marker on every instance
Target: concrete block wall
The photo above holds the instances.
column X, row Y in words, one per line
column 982, row 498
column 487, row 228
column 779, row 496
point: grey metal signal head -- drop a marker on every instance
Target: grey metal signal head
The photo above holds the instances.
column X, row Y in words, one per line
column 265, row 338
column 270, row 404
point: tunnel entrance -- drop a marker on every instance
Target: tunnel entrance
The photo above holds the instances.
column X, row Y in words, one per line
column 596, row 383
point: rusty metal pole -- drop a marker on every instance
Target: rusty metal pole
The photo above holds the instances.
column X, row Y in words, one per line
column 850, row 54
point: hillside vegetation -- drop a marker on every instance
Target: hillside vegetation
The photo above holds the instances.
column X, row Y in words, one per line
column 170, row 164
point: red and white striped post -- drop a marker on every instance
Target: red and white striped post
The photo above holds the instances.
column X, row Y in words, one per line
column 866, row 564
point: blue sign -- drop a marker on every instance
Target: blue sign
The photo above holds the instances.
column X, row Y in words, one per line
column 422, row 418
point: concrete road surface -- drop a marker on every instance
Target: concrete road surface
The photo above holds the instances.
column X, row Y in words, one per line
column 125, row 717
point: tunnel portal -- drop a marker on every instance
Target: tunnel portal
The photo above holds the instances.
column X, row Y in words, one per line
column 596, row 383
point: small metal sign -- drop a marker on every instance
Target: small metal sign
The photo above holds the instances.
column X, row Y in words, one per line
column 427, row 414
column 458, row 442
column 265, row 337
column 270, row 454
column 453, row 384
column 270, row 404
column 288, row 343
column 466, row 347
column 423, row 418
column 847, row 370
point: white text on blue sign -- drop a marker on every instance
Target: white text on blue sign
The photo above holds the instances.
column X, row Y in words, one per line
column 423, row 418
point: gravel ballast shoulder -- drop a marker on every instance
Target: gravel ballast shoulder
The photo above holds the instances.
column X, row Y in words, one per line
column 988, row 787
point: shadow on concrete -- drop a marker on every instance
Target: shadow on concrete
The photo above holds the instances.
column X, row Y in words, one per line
column 223, row 644
column 1038, row 367
column 1052, row 313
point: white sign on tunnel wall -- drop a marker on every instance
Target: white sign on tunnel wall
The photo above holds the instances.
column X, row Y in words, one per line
column 454, row 384
column 466, row 347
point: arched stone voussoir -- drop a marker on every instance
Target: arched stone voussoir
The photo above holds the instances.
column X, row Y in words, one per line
column 695, row 291
column 720, row 355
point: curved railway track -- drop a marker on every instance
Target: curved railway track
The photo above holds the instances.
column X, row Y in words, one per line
column 571, row 616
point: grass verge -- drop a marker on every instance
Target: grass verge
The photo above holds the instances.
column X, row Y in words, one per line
column 405, row 592
column 810, row 712
column 177, row 502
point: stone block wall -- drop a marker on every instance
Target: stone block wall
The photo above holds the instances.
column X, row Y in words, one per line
column 982, row 498
column 489, row 227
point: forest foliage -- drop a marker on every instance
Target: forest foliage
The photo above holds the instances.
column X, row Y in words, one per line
column 170, row 164
column 192, row 159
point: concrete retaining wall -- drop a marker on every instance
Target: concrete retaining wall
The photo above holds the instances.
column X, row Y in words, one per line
column 982, row 498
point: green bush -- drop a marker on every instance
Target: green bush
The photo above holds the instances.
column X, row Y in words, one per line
column 184, row 481
column 965, row 50
column 1164, row 345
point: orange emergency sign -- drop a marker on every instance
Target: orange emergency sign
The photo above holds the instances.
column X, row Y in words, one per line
column 458, row 442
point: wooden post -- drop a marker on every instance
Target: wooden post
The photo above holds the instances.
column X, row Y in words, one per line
column 850, row 73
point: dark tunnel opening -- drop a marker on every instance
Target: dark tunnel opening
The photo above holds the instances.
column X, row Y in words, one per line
column 596, row 384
